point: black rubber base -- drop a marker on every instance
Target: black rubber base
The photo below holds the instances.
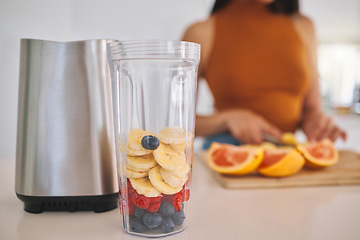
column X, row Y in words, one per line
column 101, row 203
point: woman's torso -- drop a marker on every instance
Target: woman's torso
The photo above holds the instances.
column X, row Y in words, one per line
column 258, row 62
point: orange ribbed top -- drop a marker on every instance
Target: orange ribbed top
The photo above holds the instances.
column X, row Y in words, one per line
column 258, row 62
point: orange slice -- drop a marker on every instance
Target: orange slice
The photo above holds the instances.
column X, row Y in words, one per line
column 234, row 160
column 319, row 154
column 267, row 145
column 281, row 162
column 289, row 138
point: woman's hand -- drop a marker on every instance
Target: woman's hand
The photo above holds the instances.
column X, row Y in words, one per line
column 318, row 126
column 247, row 126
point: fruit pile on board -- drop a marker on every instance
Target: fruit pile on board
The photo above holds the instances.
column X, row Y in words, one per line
column 270, row 160
column 157, row 179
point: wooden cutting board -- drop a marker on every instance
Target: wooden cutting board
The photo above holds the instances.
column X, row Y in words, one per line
column 345, row 172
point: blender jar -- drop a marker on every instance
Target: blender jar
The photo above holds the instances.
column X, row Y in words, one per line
column 154, row 93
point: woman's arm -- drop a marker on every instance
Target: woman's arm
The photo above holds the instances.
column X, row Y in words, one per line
column 315, row 124
column 202, row 33
column 243, row 124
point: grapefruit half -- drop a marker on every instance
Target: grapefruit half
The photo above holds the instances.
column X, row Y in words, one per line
column 319, row 154
column 234, row 160
column 281, row 162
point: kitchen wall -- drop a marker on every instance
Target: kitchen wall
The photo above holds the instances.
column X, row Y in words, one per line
column 68, row 20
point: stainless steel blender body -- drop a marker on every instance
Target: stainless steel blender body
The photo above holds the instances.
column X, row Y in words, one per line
column 65, row 138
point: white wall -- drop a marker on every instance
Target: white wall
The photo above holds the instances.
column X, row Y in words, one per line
column 69, row 20
column 335, row 20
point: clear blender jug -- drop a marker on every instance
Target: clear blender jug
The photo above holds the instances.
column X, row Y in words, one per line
column 154, row 93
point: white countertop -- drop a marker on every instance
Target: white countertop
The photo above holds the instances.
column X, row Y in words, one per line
column 215, row 213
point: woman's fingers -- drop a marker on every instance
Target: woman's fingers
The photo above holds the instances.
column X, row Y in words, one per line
column 324, row 127
column 256, row 135
column 334, row 134
column 337, row 133
column 261, row 126
column 272, row 130
column 314, row 130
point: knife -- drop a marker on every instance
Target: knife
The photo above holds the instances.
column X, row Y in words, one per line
column 270, row 138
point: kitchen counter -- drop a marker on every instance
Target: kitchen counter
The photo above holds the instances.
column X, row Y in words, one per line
column 215, row 213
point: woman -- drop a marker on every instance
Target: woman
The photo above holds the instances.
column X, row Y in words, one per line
column 259, row 60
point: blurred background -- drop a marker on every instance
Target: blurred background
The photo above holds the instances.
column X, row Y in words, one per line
column 337, row 24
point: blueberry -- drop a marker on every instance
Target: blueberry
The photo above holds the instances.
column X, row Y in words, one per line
column 152, row 220
column 150, row 142
column 178, row 217
column 136, row 225
column 167, row 225
column 138, row 212
column 166, row 209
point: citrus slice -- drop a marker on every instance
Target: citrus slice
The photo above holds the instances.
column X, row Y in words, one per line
column 234, row 160
column 319, row 154
column 267, row 145
column 289, row 138
column 281, row 162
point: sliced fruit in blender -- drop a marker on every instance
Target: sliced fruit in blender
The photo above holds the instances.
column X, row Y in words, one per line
column 169, row 158
column 159, row 183
column 141, row 163
column 172, row 180
column 172, row 135
column 134, row 138
column 136, row 174
column 143, row 186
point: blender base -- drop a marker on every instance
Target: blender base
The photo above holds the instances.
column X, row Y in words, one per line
column 99, row 203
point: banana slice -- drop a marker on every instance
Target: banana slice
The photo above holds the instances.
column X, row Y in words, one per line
column 143, row 186
column 134, row 139
column 182, row 146
column 136, row 174
column 178, row 147
column 169, row 158
column 173, row 135
column 134, row 153
column 158, row 182
column 183, row 171
column 141, row 163
column 171, row 179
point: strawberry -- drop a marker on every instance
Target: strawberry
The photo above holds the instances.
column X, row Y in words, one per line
column 175, row 200
column 178, row 198
column 140, row 200
column 156, row 199
column 186, row 195
column 129, row 184
column 130, row 209
column 168, row 198
column 177, row 204
column 154, row 207
column 131, row 190
column 183, row 195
